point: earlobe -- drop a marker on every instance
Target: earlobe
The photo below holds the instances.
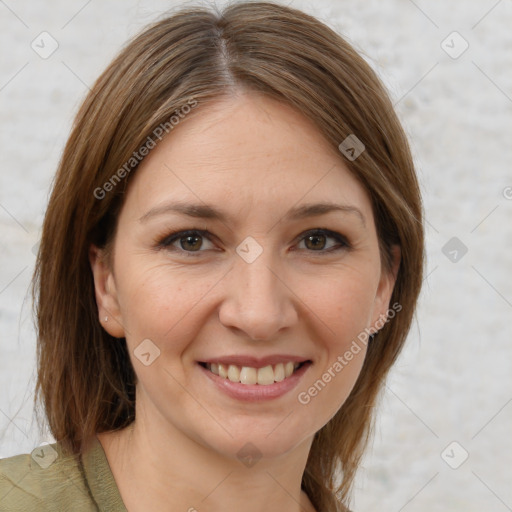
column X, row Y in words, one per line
column 109, row 313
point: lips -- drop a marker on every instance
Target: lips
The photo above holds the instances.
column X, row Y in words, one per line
column 255, row 392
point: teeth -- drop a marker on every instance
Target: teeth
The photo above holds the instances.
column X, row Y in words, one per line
column 266, row 375
column 233, row 373
column 223, row 371
column 279, row 374
column 248, row 375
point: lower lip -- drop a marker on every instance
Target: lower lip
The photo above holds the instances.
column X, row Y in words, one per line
column 256, row 392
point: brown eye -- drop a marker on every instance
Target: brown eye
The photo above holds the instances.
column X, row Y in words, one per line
column 316, row 241
column 191, row 242
column 187, row 242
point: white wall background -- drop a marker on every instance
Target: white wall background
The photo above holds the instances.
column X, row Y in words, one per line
column 454, row 380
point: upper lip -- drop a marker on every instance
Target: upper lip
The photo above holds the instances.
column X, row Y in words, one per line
column 255, row 362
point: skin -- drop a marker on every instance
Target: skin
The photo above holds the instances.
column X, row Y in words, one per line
column 255, row 158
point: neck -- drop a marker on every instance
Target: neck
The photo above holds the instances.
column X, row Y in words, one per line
column 182, row 474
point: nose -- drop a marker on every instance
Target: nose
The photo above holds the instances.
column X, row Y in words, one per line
column 258, row 300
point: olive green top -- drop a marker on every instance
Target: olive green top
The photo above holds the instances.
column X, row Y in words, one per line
column 46, row 480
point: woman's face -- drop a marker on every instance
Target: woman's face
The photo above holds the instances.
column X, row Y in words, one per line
column 268, row 283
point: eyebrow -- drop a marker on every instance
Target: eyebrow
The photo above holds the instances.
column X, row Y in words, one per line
column 205, row 211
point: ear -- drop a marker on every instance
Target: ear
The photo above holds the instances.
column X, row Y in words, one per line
column 385, row 289
column 106, row 293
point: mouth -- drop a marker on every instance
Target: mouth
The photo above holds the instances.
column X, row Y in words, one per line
column 250, row 375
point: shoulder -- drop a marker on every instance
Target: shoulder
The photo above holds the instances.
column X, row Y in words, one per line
column 44, row 480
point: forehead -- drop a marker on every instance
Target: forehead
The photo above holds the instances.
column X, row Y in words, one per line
column 249, row 152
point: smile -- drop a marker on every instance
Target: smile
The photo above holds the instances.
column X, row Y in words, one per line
column 249, row 375
column 255, row 383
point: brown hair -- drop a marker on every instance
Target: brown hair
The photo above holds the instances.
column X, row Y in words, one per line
column 86, row 382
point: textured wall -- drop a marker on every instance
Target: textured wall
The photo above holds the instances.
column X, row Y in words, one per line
column 453, row 382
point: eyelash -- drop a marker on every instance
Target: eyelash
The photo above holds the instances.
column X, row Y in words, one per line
column 168, row 240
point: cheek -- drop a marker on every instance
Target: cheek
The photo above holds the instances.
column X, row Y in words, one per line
column 345, row 308
column 345, row 304
column 157, row 302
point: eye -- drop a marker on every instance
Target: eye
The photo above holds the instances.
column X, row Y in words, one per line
column 316, row 240
column 190, row 241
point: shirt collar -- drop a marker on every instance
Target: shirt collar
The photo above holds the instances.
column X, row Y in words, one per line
column 100, row 478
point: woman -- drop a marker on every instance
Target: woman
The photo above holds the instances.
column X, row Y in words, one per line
column 230, row 262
